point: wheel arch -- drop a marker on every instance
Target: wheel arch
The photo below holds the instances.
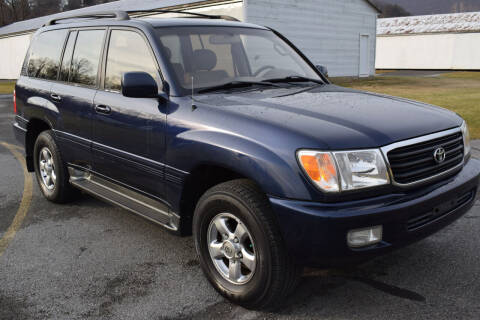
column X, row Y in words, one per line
column 201, row 178
column 35, row 127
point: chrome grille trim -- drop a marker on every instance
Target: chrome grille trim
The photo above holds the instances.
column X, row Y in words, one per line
column 406, row 143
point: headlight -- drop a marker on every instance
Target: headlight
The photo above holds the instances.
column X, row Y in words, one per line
column 466, row 139
column 344, row 170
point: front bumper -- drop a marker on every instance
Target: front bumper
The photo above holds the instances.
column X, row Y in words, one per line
column 316, row 233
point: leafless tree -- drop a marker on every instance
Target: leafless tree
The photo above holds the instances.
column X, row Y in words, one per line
column 17, row 10
column 391, row 10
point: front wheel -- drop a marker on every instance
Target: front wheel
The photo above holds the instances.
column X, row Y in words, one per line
column 240, row 247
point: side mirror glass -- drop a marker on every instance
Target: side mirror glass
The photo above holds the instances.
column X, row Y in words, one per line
column 139, row 85
column 323, row 70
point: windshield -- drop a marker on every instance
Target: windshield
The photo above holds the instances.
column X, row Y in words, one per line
column 206, row 57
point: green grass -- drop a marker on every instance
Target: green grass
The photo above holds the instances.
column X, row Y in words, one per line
column 457, row 91
column 6, row 87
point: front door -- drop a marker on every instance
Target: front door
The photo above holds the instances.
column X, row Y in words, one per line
column 122, row 130
column 74, row 93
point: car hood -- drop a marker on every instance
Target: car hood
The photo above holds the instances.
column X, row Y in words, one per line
column 333, row 117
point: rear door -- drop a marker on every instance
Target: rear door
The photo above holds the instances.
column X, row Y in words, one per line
column 39, row 72
column 75, row 91
column 122, row 132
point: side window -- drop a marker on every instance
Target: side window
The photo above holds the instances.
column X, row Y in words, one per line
column 127, row 52
column 45, row 54
column 173, row 52
column 67, row 57
column 86, row 57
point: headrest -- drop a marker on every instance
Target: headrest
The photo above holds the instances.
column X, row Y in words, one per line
column 168, row 53
column 204, row 59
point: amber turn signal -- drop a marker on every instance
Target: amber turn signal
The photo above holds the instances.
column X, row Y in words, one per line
column 320, row 167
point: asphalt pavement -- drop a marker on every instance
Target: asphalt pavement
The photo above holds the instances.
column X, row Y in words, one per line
column 90, row 260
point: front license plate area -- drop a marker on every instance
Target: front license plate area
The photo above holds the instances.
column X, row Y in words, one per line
column 439, row 211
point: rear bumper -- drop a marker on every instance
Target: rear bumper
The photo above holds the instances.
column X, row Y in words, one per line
column 20, row 129
column 20, row 133
column 316, row 233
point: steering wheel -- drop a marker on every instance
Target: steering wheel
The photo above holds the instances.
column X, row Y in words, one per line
column 263, row 69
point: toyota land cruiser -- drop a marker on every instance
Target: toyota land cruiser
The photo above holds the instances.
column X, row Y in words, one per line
column 226, row 130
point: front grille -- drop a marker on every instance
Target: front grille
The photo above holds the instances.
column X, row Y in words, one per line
column 440, row 211
column 416, row 162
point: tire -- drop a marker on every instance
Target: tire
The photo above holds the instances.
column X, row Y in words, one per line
column 53, row 170
column 230, row 205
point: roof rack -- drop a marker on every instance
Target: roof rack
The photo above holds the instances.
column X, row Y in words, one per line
column 193, row 14
column 116, row 15
column 124, row 15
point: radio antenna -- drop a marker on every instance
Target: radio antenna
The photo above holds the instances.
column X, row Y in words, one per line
column 193, row 99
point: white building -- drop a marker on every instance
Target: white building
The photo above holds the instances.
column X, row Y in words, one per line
column 437, row 42
column 339, row 34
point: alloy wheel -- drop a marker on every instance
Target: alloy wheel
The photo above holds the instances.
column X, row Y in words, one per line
column 231, row 248
column 47, row 168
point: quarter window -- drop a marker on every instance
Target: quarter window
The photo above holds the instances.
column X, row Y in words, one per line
column 86, row 57
column 127, row 52
column 67, row 57
column 45, row 54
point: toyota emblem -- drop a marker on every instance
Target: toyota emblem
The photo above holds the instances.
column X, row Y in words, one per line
column 439, row 155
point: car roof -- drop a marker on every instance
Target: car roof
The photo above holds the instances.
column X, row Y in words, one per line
column 153, row 22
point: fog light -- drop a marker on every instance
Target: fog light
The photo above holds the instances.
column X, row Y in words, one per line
column 364, row 237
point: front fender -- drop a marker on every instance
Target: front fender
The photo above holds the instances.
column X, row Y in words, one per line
column 277, row 175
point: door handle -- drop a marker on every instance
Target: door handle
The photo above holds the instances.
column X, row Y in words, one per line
column 55, row 97
column 103, row 109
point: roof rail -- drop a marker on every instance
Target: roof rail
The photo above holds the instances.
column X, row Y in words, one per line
column 116, row 15
column 124, row 15
column 193, row 14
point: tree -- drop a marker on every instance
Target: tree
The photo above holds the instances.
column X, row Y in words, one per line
column 391, row 10
column 465, row 6
column 18, row 10
column 394, row 11
column 14, row 10
column 72, row 5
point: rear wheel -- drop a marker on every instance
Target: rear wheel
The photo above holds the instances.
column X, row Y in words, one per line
column 51, row 172
column 240, row 247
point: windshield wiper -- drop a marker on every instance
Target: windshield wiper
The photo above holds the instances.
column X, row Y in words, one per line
column 237, row 84
column 294, row 79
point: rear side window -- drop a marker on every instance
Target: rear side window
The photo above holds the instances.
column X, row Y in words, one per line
column 86, row 57
column 67, row 57
column 128, row 52
column 45, row 54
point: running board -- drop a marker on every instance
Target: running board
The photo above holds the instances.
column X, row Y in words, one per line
column 135, row 202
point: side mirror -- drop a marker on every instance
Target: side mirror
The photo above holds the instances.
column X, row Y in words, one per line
column 139, row 85
column 323, row 70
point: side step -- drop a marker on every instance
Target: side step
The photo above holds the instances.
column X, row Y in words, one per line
column 135, row 202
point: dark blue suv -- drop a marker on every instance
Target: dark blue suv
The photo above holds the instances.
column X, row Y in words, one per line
column 225, row 129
